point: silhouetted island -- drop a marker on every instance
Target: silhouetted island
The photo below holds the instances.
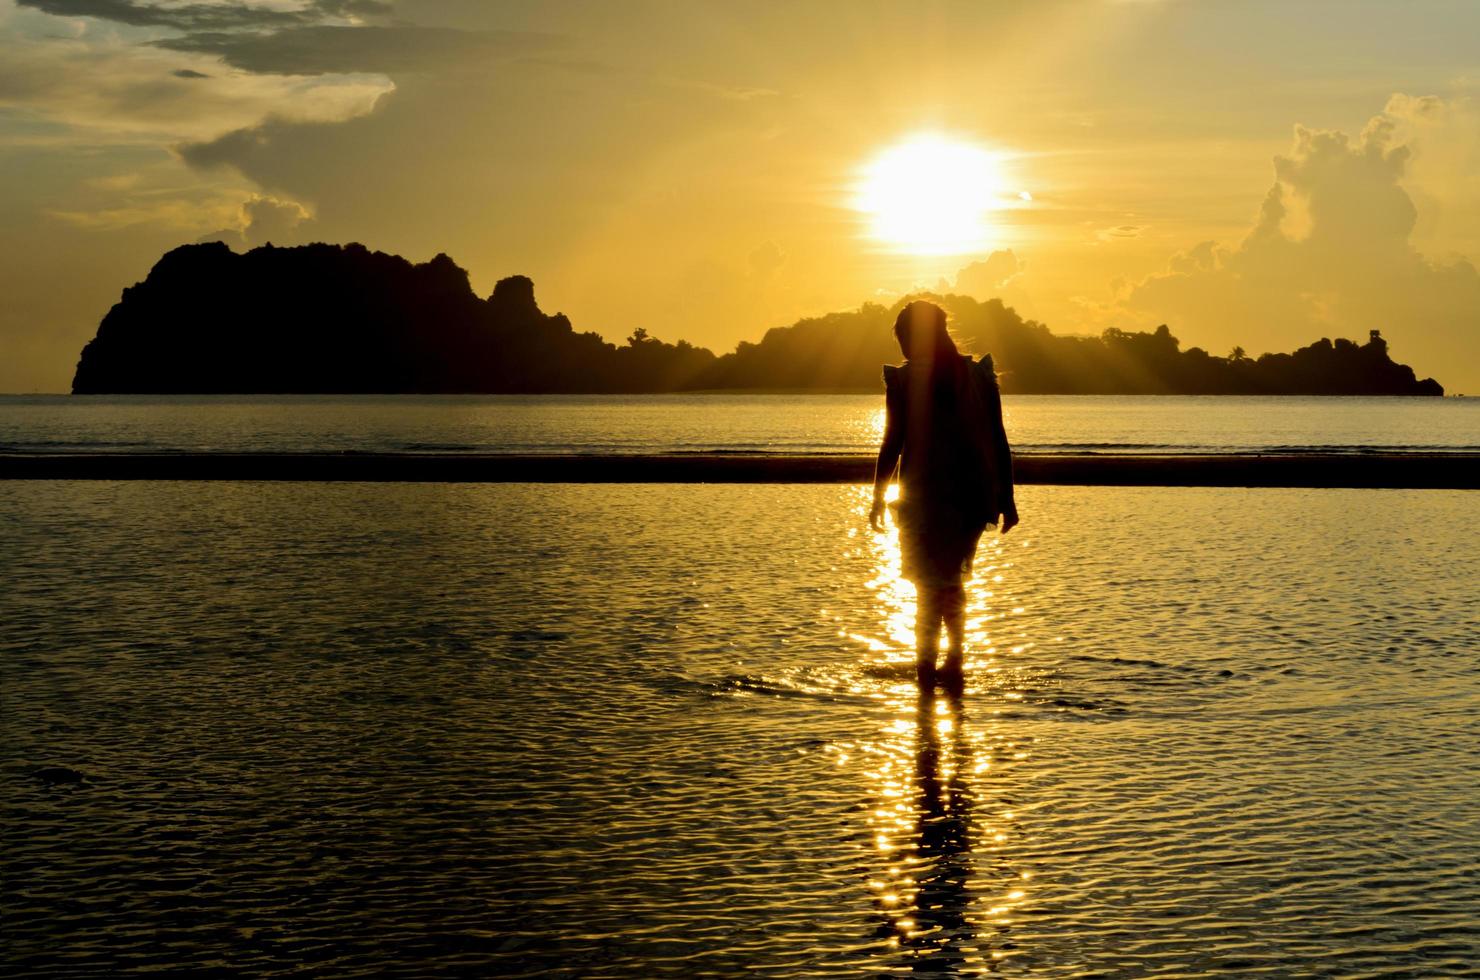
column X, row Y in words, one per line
column 343, row 319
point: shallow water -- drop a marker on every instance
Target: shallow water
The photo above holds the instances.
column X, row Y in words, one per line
column 644, row 731
column 813, row 423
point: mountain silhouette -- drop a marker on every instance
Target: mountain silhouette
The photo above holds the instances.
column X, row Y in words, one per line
column 344, row 319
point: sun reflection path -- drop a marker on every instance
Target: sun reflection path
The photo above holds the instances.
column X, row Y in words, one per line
column 944, row 889
column 988, row 626
column 941, row 819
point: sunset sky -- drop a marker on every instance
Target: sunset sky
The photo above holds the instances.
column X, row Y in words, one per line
column 1251, row 173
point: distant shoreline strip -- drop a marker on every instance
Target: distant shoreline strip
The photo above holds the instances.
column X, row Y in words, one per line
column 1417, row 471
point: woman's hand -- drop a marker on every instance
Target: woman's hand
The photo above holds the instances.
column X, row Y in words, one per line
column 1009, row 519
column 876, row 514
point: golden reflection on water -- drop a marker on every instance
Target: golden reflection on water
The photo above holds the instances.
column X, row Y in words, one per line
column 987, row 620
column 944, row 889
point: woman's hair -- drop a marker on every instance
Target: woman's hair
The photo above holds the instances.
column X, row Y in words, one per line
column 921, row 331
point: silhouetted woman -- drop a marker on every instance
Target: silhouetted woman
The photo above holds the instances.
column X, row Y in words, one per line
column 945, row 434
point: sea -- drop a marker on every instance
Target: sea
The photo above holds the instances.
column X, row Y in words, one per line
column 631, row 731
column 743, row 423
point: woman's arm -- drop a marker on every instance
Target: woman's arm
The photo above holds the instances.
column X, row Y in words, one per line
column 888, row 459
column 1002, row 453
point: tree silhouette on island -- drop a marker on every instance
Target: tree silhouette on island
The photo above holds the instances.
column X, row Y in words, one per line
column 343, row 319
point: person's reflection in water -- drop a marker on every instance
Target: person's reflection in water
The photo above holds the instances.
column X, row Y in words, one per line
column 945, row 435
column 927, row 913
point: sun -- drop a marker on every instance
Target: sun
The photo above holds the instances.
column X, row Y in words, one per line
column 930, row 195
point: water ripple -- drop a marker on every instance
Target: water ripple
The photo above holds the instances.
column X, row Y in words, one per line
column 361, row 730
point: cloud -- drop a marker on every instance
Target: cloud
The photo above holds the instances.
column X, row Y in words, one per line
column 1120, row 231
column 985, row 279
column 268, row 219
column 208, row 16
column 183, row 214
column 113, row 182
column 315, row 38
column 128, row 93
column 327, row 49
column 1443, row 176
column 1330, row 251
column 262, row 219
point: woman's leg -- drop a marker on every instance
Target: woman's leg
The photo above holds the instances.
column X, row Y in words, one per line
column 927, row 629
column 952, row 675
column 953, row 611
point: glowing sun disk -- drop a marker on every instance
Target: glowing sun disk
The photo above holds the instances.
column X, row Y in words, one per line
column 930, row 195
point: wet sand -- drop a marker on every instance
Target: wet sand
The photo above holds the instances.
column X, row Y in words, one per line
column 1449, row 471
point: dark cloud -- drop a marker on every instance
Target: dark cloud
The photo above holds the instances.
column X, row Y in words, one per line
column 234, row 149
column 188, row 73
column 298, row 41
column 324, row 48
column 207, row 16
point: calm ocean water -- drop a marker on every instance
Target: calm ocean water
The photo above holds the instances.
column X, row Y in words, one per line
column 502, row 730
column 698, row 423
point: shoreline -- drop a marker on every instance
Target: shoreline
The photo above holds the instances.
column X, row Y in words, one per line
column 1377, row 470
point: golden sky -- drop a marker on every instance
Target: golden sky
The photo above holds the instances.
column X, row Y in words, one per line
column 1251, row 173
